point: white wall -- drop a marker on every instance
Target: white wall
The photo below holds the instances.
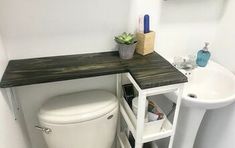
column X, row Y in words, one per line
column 44, row 28
column 224, row 41
column 3, row 58
column 217, row 129
column 186, row 24
column 11, row 135
column 57, row 27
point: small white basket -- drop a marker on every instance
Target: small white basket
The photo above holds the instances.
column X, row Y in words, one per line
column 154, row 126
column 150, row 127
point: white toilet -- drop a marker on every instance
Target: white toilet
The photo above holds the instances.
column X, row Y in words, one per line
column 86, row 119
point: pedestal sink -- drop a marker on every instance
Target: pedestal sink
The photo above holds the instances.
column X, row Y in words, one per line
column 208, row 88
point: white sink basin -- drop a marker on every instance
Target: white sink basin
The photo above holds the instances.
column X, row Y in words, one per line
column 214, row 87
column 209, row 88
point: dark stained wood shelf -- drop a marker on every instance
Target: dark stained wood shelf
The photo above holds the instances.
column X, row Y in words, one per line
column 148, row 71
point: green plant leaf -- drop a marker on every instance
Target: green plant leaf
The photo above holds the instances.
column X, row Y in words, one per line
column 125, row 38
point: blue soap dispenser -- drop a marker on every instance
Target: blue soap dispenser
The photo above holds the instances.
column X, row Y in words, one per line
column 203, row 56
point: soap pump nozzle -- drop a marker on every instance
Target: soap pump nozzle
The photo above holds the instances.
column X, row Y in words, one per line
column 206, row 46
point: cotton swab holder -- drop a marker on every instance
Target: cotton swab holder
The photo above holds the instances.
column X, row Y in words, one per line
column 145, row 44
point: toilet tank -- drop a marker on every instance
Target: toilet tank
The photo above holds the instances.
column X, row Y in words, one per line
column 80, row 120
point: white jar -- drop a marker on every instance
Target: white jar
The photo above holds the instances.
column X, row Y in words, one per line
column 135, row 107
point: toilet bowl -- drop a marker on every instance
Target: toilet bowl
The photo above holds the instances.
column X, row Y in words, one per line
column 86, row 119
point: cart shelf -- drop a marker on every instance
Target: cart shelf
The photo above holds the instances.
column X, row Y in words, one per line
column 150, row 133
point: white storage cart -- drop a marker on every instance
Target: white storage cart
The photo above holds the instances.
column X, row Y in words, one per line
column 141, row 131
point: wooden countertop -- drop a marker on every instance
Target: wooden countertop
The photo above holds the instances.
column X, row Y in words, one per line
column 148, row 71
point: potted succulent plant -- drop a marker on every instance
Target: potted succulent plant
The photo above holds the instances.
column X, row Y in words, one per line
column 126, row 45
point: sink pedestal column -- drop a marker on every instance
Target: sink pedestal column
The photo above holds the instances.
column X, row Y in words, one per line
column 188, row 124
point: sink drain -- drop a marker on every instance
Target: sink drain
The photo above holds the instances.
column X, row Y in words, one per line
column 192, row 96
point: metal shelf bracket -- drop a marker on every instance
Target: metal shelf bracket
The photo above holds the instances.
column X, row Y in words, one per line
column 12, row 101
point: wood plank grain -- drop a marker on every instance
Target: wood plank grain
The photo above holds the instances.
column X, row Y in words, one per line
column 149, row 71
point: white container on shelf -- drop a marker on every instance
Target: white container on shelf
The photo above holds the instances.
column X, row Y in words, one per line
column 154, row 126
column 154, row 144
column 135, row 107
column 152, row 130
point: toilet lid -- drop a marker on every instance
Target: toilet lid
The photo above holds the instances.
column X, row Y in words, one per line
column 77, row 107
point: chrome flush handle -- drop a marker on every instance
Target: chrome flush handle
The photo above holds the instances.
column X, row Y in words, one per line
column 43, row 129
